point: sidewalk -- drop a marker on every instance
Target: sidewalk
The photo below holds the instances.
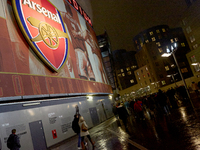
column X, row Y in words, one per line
column 107, row 136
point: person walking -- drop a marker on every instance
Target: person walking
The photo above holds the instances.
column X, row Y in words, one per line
column 162, row 100
column 76, row 128
column 138, row 109
column 84, row 132
column 122, row 114
column 13, row 142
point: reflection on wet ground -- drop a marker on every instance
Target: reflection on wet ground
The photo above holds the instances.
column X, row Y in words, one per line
column 178, row 131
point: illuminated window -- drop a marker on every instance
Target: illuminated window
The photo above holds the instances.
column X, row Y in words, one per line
column 147, row 41
column 138, row 73
column 192, row 39
column 146, row 69
column 122, row 70
column 188, row 29
column 184, row 70
column 183, row 44
column 128, row 68
column 123, row 74
column 119, row 75
column 139, row 78
column 184, row 22
column 132, row 81
column 144, row 76
column 176, row 39
column 132, row 67
column 195, row 46
column 151, row 33
column 172, row 40
column 163, row 30
column 129, row 73
column 158, row 31
column 166, row 68
column 141, row 44
column 158, row 43
column 160, row 50
column 163, row 82
column 153, row 39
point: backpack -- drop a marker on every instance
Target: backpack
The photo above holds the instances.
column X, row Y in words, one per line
column 11, row 141
column 75, row 126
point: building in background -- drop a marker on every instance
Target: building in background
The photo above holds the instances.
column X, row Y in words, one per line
column 125, row 65
column 155, row 41
column 190, row 25
column 105, row 47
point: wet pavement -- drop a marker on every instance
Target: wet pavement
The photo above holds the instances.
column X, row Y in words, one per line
column 178, row 131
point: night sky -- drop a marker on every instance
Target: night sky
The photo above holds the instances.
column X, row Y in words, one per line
column 124, row 19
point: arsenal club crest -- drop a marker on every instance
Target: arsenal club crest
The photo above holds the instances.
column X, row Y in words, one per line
column 42, row 26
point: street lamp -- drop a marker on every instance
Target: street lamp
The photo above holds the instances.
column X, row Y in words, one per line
column 172, row 52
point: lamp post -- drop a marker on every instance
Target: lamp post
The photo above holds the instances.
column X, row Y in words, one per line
column 172, row 51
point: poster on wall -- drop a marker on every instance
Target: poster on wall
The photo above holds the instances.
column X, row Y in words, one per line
column 47, row 50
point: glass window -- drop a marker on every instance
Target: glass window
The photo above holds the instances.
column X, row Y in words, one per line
column 163, row 30
column 144, row 76
column 158, row 43
column 176, row 39
column 128, row 68
column 141, row 71
column 195, row 46
column 163, row 82
column 184, row 22
column 132, row 81
column 172, row 40
column 139, row 78
column 148, row 74
column 123, row 74
column 132, row 67
column 160, row 50
column 153, row 39
column 129, row 73
column 183, row 44
column 192, row 38
column 146, row 69
column 145, row 82
column 119, row 75
column 122, row 70
column 138, row 73
column 157, row 31
column 188, row 30
column 151, row 33
column 150, row 80
column 147, row 41
column 166, row 68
